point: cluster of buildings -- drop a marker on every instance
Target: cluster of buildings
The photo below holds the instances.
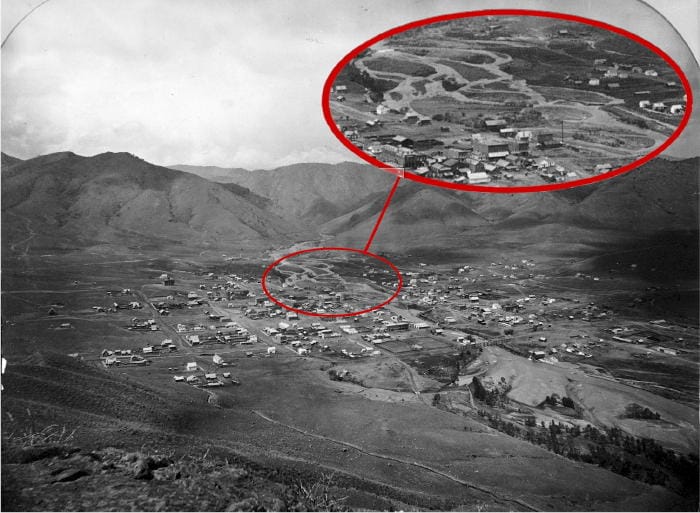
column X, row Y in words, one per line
column 501, row 152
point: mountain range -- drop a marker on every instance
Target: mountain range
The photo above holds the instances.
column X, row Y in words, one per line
column 120, row 198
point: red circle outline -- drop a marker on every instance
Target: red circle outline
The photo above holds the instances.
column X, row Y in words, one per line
column 337, row 248
column 325, row 100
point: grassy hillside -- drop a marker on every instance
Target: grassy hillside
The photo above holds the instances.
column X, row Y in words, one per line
column 116, row 197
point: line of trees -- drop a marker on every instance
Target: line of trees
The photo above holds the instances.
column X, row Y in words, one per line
column 641, row 459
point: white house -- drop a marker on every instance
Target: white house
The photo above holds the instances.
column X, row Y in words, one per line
column 476, row 177
column 191, row 366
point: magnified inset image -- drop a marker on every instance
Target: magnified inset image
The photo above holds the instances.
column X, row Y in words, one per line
column 528, row 101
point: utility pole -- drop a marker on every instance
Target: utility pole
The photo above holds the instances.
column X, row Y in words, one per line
column 562, row 131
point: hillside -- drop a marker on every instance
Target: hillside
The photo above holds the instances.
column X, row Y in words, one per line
column 78, row 438
column 119, row 198
column 153, row 447
column 314, row 192
column 343, row 201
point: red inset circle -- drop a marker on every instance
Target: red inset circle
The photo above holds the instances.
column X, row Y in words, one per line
column 325, row 101
column 267, row 292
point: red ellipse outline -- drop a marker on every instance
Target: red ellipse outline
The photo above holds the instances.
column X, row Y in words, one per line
column 335, row 248
column 325, row 100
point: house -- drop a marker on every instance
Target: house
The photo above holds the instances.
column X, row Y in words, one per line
column 598, row 62
column 543, row 164
column 167, row 280
column 503, row 163
column 594, row 82
column 613, row 85
column 341, row 88
column 192, row 380
column 382, row 109
column 424, row 120
column 478, row 177
column 658, row 106
column 546, row 140
column 490, row 168
column 179, row 378
column 644, row 104
column 272, row 350
column 218, row 360
column 602, row 168
column 402, row 141
column 495, row 125
column 191, row 366
column 474, row 165
column 677, row 109
column 651, row 73
column 537, row 355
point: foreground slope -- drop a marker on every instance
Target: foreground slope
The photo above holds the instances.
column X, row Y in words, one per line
column 382, row 455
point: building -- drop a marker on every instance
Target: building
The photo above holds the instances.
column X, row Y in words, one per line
column 644, row 104
column 594, row 82
column 658, row 106
column 478, row 177
column 397, row 326
column 677, row 109
column 495, row 125
column 520, row 144
column 651, row 73
column 402, row 141
column 167, row 280
column 546, row 140
column 490, row 147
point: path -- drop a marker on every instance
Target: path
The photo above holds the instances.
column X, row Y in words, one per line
column 418, row 464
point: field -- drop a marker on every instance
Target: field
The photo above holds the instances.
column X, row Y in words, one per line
column 573, row 95
column 469, row 73
column 403, row 67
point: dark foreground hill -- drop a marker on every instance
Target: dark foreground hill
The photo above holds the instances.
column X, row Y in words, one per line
column 130, row 452
column 168, row 448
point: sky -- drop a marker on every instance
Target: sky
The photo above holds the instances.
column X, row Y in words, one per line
column 232, row 83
